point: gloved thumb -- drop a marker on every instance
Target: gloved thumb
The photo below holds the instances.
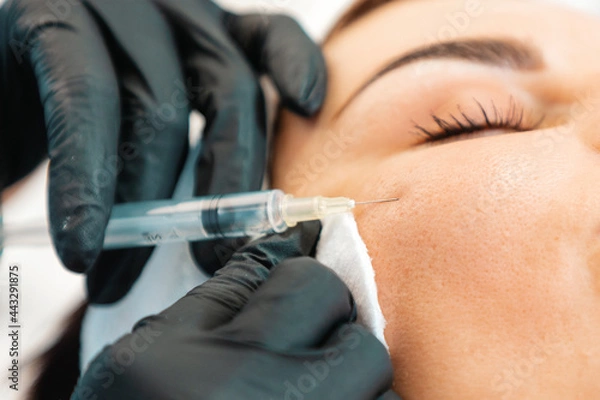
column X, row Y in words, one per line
column 219, row 299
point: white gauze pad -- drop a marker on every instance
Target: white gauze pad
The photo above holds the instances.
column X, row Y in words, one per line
column 342, row 249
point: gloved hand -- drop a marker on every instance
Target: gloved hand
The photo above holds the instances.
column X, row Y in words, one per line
column 105, row 89
column 250, row 334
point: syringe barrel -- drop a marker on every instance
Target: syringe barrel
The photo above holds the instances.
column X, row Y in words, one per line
column 204, row 218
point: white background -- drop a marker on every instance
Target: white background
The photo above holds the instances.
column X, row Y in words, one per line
column 48, row 291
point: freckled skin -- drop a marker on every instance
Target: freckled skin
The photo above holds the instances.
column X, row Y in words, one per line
column 488, row 269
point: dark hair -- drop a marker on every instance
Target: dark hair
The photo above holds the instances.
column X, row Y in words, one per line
column 58, row 366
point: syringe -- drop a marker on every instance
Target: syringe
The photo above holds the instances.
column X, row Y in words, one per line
column 201, row 218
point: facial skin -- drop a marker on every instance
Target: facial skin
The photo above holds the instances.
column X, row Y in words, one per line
column 488, row 269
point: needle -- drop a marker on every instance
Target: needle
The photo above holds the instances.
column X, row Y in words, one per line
column 377, row 201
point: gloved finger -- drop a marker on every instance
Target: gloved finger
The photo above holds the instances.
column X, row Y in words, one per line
column 154, row 134
column 219, row 299
column 225, row 89
column 298, row 307
column 21, row 113
column 351, row 346
column 78, row 89
column 278, row 46
column 212, row 255
column 154, row 128
column 389, row 395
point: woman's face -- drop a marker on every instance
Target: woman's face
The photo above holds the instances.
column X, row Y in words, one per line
column 488, row 268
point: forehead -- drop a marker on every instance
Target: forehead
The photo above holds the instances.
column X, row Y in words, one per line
column 361, row 8
column 390, row 28
column 355, row 12
column 409, row 23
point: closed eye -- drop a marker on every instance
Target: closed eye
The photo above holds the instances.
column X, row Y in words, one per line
column 462, row 126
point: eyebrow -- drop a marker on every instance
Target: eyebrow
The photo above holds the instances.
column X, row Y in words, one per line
column 503, row 53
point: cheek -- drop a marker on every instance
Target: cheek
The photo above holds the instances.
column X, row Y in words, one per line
column 491, row 243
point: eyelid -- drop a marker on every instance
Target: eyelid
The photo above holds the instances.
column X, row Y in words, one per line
column 516, row 119
column 499, row 52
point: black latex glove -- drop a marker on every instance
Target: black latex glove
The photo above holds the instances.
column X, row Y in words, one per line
column 250, row 334
column 105, row 89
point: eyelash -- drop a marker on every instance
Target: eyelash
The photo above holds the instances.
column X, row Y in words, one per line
column 452, row 127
